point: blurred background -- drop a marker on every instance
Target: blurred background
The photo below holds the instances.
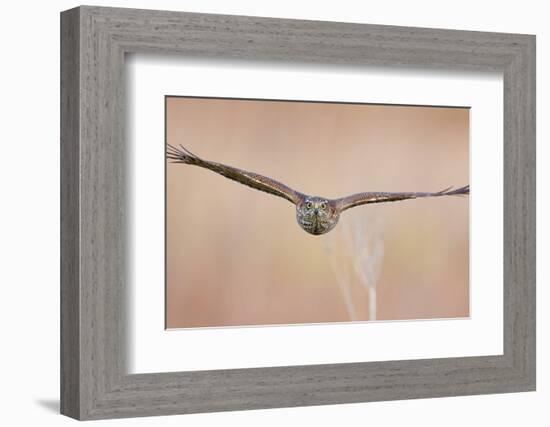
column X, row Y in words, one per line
column 236, row 256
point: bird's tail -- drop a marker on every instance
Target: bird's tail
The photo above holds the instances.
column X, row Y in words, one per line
column 182, row 155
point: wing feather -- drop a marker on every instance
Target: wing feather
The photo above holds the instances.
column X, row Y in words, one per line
column 380, row 197
column 250, row 179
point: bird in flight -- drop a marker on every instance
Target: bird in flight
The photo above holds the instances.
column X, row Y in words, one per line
column 316, row 215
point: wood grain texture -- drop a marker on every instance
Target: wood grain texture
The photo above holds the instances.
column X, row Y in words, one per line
column 70, row 291
column 95, row 274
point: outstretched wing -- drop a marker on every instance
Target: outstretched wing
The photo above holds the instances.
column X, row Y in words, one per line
column 365, row 198
column 251, row 179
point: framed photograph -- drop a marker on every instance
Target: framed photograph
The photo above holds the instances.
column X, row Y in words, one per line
column 261, row 213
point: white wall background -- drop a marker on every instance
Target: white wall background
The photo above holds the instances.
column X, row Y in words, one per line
column 29, row 212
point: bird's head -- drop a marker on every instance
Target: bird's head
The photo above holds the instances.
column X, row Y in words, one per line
column 316, row 215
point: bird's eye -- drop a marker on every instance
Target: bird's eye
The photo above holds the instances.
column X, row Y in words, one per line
column 308, row 205
column 323, row 205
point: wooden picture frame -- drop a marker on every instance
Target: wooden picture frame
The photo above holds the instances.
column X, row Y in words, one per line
column 94, row 382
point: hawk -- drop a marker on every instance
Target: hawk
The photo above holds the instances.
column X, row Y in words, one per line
column 316, row 215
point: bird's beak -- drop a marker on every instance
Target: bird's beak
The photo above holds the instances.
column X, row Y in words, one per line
column 316, row 211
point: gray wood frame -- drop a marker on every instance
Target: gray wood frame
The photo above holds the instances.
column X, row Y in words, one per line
column 94, row 40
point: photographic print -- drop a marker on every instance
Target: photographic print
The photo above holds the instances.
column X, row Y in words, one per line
column 286, row 212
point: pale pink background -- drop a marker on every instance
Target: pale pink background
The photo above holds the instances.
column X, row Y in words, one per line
column 236, row 256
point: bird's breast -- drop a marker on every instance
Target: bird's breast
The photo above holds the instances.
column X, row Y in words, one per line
column 315, row 224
